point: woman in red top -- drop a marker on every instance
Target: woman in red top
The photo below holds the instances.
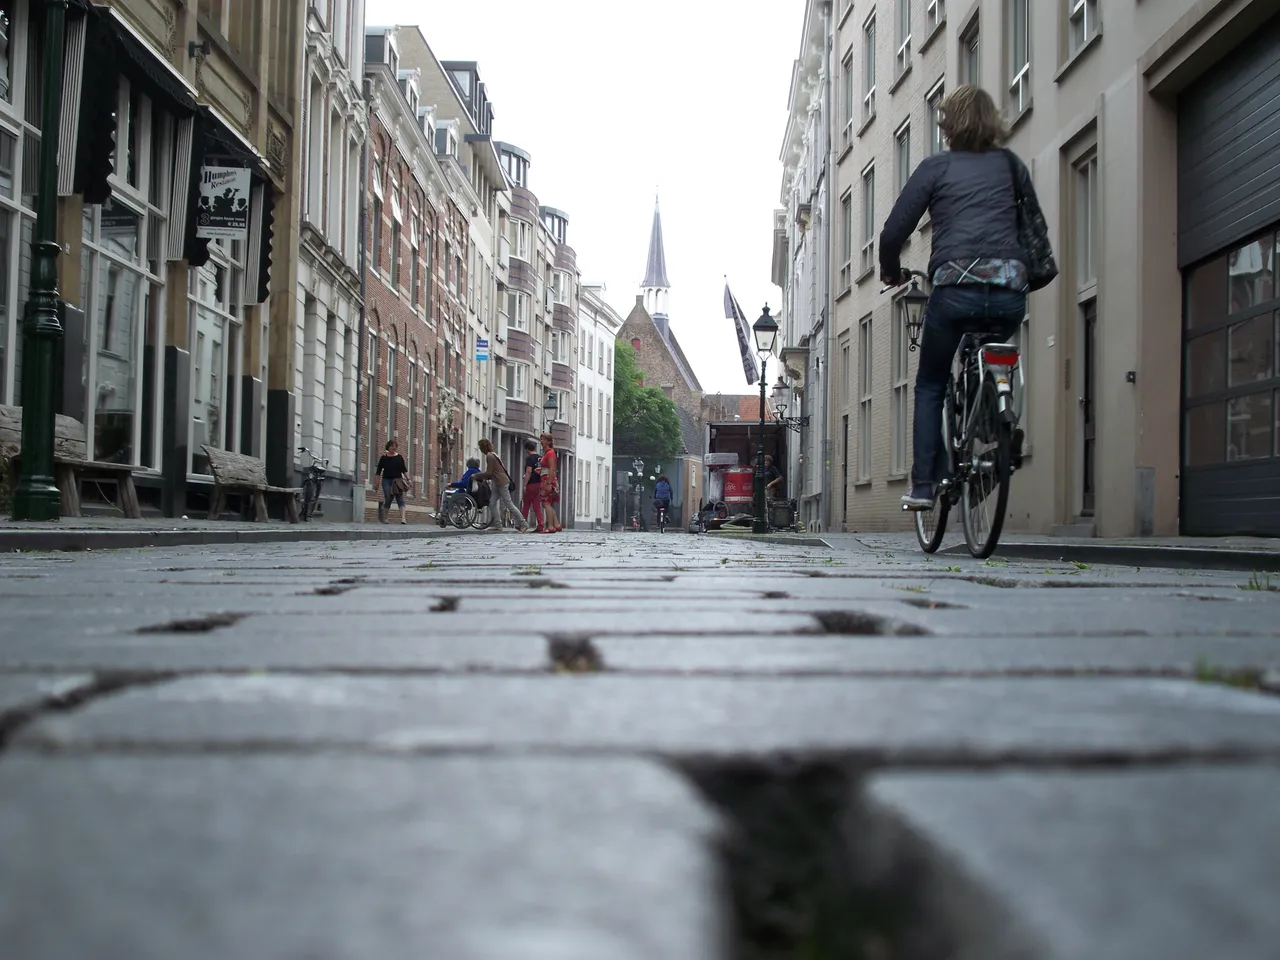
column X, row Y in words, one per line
column 549, row 488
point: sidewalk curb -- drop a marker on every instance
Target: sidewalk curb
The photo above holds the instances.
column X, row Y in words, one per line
column 799, row 540
column 1177, row 558
column 79, row 540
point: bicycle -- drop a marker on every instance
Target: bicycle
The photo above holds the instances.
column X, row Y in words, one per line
column 312, row 483
column 660, row 518
column 983, row 442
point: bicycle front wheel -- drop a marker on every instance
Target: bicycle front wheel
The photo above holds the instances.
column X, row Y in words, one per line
column 985, row 492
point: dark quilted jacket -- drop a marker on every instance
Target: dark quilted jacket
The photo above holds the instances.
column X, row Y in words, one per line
column 970, row 201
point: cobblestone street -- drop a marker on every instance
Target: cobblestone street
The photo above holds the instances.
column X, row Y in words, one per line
column 633, row 746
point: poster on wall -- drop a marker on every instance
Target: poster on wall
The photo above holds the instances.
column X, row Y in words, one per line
column 222, row 211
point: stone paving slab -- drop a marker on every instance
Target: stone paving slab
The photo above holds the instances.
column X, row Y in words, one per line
column 928, row 655
column 216, row 651
column 345, row 858
column 1179, row 864
column 886, row 719
column 26, row 690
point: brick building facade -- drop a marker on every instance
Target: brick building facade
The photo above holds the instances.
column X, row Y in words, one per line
column 413, row 279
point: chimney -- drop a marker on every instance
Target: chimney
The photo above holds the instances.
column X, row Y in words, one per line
column 639, row 299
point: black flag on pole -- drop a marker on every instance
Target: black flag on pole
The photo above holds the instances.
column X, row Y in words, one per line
column 734, row 312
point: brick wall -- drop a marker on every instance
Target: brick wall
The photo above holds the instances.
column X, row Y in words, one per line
column 656, row 362
column 410, row 314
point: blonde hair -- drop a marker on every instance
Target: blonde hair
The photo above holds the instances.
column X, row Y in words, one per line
column 970, row 120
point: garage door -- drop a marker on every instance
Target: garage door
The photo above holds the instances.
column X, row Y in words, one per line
column 1228, row 248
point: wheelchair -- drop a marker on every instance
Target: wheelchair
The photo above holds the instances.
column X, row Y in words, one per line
column 464, row 508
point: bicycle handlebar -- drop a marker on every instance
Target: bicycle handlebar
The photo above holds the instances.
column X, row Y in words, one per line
column 908, row 273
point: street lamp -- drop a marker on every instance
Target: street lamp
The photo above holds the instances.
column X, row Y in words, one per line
column 914, row 302
column 766, row 333
column 36, row 497
column 549, row 409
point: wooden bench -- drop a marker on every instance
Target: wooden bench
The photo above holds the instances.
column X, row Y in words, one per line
column 69, row 463
column 237, row 473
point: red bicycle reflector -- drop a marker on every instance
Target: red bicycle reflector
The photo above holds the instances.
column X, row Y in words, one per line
column 999, row 358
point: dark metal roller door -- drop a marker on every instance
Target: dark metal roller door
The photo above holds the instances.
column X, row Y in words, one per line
column 1229, row 251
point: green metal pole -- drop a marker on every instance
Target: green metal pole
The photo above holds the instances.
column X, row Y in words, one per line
column 761, row 524
column 36, row 497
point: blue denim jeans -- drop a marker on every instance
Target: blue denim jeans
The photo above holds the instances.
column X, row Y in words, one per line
column 952, row 312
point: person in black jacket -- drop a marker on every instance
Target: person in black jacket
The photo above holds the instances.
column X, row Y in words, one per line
column 977, row 265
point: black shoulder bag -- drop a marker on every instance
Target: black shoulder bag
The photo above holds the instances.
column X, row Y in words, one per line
column 1033, row 233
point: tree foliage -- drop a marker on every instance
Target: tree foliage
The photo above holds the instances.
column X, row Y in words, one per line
column 645, row 421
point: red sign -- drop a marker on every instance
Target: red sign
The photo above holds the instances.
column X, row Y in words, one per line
column 739, row 484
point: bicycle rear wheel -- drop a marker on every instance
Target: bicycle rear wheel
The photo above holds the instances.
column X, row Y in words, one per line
column 931, row 525
column 985, row 493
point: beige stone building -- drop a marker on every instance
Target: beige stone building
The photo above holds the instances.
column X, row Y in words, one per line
column 174, row 339
column 1151, row 132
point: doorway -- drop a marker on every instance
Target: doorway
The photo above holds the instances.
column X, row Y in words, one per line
column 1088, row 409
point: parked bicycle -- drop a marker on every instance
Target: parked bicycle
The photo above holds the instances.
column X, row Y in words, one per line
column 312, row 483
column 980, row 431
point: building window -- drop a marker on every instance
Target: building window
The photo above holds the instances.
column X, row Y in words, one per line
column 391, row 392
column 123, row 264
column 902, row 157
column 608, row 420
column 215, row 321
column 869, row 70
column 518, row 381
column 1086, row 225
column 518, row 310
column 846, row 241
column 586, row 413
column 600, row 414
column 868, row 261
column 847, row 97
column 935, row 12
column 971, row 54
column 901, row 352
column 600, row 351
column 608, row 370
column 375, row 241
column 415, row 262
column 582, row 405
column 426, row 430
column 1082, row 24
column 937, row 143
column 864, row 399
column 411, row 433
column 394, row 254
column 1018, row 27
column 520, row 239
column 903, row 61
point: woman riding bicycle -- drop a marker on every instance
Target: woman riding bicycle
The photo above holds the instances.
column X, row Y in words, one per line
column 977, row 265
column 662, row 496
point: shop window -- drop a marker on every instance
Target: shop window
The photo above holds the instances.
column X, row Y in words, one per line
column 215, row 323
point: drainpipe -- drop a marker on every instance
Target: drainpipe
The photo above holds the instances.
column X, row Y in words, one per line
column 825, row 506
column 361, row 361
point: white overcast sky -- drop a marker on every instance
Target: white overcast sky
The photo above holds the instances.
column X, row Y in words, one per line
column 614, row 100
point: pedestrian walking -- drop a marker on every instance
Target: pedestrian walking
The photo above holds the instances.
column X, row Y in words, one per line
column 531, row 502
column 502, row 487
column 395, row 481
column 549, row 487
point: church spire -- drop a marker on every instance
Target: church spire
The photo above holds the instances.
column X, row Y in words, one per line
column 656, row 274
column 655, row 284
